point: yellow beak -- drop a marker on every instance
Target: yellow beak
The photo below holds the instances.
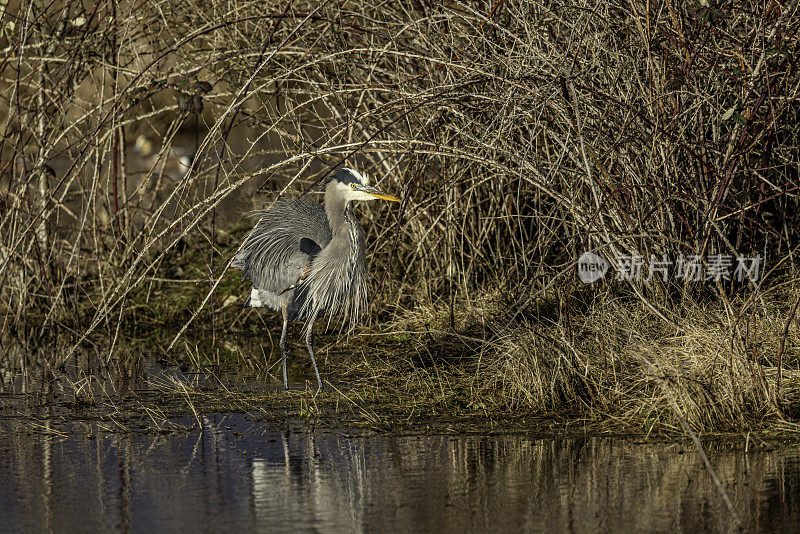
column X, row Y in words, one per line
column 377, row 193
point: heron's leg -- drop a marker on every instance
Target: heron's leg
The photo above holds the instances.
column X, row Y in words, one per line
column 310, row 346
column 284, row 348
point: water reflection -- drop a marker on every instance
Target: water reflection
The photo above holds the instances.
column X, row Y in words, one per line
column 243, row 475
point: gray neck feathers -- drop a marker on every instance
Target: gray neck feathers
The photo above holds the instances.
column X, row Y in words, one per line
column 343, row 222
column 339, row 271
column 335, row 208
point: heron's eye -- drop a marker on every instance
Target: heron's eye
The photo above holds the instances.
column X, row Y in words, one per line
column 352, row 186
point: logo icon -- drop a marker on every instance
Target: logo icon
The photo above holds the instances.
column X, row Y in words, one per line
column 591, row 267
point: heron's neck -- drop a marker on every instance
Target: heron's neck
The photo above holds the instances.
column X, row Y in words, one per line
column 340, row 214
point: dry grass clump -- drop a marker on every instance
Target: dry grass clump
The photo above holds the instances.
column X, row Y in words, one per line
column 624, row 365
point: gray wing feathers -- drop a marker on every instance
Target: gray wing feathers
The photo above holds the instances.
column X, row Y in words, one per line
column 272, row 257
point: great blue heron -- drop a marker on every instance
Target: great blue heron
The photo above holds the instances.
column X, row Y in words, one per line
column 305, row 260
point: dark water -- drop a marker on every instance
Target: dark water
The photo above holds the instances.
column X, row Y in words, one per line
column 242, row 475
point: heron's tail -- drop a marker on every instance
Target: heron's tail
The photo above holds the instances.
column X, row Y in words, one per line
column 255, row 300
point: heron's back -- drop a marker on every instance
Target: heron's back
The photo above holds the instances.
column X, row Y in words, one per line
column 282, row 243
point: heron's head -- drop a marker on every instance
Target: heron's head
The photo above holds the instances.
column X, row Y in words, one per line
column 352, row 185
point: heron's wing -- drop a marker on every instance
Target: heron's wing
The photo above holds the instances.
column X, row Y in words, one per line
column 279, row 249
